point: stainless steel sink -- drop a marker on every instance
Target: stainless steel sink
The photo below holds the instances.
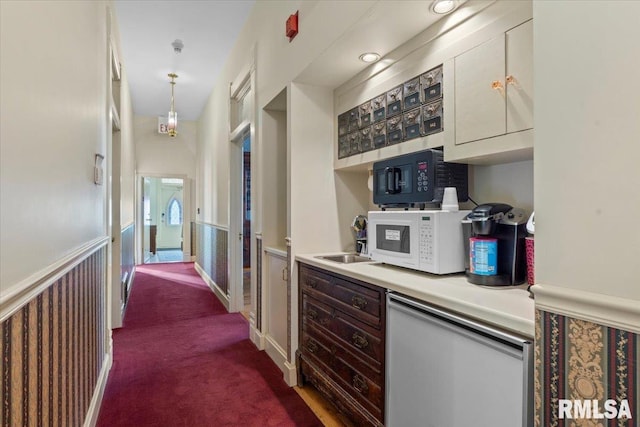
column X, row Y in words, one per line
column 345, row 258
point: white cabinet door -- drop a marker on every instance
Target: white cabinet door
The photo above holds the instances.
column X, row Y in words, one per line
column 519, row 79
column 277, row 300
column 494, row 86
column 479, row 107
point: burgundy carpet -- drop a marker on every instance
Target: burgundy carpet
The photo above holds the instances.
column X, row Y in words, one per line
column 181, row 360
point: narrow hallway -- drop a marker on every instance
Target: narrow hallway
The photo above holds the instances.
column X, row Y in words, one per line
column 181, row 359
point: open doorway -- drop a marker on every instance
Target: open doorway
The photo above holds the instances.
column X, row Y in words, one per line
column 163, row 217
column 246, row 223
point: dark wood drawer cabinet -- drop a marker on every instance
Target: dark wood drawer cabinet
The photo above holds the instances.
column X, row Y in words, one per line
column 342, row 342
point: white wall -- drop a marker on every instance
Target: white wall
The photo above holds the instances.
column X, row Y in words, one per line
column 587, row 121
column 510, row 183
column 213, row 159
column 53, row 102
column 161, row 154
column 278, row 62
column 127, row 155
column 274, row 178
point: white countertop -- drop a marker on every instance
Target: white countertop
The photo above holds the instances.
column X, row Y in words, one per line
column 508, row 307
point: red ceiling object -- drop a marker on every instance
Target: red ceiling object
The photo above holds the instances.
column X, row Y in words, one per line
column 292, row 26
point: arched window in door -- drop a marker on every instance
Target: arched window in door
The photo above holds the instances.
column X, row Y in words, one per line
column 174, row 212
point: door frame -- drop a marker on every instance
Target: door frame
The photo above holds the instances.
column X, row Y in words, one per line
column 241, row 89
column 187, row 215
column 236, row 246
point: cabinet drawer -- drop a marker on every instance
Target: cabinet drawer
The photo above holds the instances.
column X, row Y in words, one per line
column 339, row 353
column 335, row 393
column 360, row 301
column 355, row 336
column 364, row 390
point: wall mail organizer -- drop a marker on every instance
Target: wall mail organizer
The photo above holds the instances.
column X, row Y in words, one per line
column 410, row 110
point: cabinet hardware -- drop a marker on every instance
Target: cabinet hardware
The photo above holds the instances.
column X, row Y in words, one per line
column 312, row 283
column 360, row 384
column 358, row 302
column 512, row 81
column 313, row 315
column 285, row 272
column 359, row 341
column 497, row 85
column 429, row 79
column 312, row 346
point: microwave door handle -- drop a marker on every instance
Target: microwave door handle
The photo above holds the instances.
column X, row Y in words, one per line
column 391, row 175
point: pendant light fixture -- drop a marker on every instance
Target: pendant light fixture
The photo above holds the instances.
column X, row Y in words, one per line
column 172, row 120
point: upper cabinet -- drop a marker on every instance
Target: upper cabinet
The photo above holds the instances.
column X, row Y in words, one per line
column 483, row 112
column 493, row 92
column 494, row 87
column 519, row 78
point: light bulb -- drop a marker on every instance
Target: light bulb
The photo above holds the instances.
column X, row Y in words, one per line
column 444, row 6
column 369, row 57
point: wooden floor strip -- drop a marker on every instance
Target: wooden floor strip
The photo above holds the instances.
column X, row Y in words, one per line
column 325, row 412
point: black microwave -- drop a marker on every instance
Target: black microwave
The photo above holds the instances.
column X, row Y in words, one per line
column 417, row 179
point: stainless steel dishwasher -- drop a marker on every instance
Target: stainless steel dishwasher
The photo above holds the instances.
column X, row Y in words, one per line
column 444, row 370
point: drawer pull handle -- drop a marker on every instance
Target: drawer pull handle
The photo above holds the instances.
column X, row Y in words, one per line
column 360, row 384
column 312, row 346
column 313, row 315
column 358, row 302
column 312, row 283
column 359, row 341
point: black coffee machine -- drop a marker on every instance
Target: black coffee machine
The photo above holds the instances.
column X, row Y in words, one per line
column 494, row 245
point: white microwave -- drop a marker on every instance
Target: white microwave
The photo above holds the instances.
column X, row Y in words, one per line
column 424, row 240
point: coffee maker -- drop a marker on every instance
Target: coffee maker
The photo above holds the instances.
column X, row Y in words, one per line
column 494, row 242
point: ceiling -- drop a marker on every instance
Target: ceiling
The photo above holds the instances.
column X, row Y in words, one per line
column 372, row 33
column 208, row 30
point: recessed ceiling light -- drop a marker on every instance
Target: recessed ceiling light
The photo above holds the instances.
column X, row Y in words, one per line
column 369, row 57
column 443, row 6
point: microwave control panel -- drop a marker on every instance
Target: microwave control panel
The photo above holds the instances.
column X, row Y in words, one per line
column 426, row 240
column 422, row 183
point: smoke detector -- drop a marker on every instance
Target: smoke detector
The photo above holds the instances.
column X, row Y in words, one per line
column 177, row 45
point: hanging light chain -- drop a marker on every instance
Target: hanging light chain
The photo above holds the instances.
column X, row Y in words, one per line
column 173, row 117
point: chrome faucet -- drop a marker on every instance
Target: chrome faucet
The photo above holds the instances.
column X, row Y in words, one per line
column 359, row 228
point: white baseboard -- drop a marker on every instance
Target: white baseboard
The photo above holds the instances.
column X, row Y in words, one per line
column 291, row 374
column 279, row 357
column 94, row 407
column 216, row 290
column 257, row 338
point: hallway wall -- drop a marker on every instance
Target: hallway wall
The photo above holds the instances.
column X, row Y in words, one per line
column 586, row 293
column 53, row 94
column 161, row 155
column 128, row 157
column 54, row 350
column 278, row 62
column 54, row 254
